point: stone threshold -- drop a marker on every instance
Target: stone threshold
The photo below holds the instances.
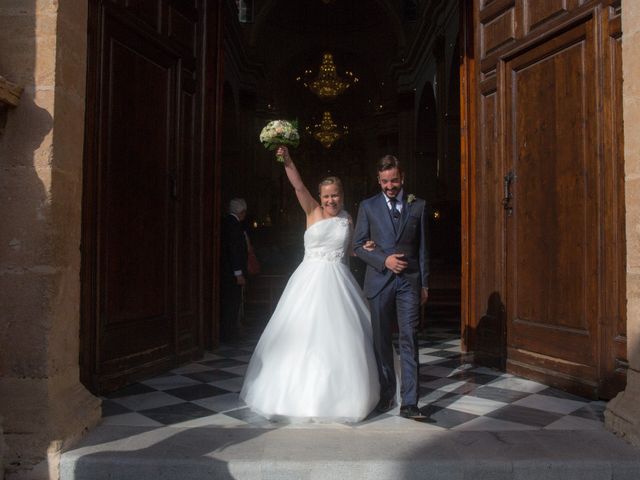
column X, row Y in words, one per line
column 341, row 452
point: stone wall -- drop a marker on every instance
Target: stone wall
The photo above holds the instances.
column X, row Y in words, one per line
column 623, row 412
column 44, row 406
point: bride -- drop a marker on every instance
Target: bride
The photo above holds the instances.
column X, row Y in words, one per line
column 315, row 359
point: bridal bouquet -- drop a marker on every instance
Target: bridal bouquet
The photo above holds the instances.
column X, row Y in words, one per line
column 280, row 132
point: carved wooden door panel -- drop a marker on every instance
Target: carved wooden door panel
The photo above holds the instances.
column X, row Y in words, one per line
column 549, row 214
column 144, row 202
column 552, row 220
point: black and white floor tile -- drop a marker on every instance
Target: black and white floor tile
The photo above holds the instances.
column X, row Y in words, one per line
column 454, row 394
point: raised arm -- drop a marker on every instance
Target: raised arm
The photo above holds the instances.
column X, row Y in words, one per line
column 306, row 200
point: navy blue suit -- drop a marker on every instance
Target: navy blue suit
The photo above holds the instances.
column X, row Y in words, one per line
column 394, row 297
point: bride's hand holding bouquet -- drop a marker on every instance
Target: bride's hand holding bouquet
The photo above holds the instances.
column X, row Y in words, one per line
column 282, row 154
column 280, row 133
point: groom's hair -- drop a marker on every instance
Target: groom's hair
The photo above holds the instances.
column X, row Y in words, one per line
column 331, row 181
column 388, row 162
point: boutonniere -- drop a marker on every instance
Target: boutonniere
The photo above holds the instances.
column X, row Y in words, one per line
column 411, row 198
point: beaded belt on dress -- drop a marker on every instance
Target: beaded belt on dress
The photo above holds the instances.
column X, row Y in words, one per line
column 334, row 256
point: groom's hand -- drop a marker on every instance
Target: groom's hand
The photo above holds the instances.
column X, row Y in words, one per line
column 396, row 262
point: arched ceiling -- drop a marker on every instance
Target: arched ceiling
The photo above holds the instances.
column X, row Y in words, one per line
column 289, row 36
column 337, row 16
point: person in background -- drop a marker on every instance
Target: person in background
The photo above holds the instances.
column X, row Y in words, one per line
column 234, row 254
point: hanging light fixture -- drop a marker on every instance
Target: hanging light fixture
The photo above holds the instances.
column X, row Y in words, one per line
column 327, row 132
column 328, row 85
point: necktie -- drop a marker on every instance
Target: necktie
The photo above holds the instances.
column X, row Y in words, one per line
column 395, row 213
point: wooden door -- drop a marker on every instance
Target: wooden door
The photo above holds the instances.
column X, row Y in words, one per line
column 547, row 193
column 144, row 196
column 552, row 228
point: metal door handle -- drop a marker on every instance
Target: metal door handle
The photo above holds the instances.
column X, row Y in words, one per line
column 506, row 201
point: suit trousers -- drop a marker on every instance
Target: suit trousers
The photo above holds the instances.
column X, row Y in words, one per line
column 398, row 301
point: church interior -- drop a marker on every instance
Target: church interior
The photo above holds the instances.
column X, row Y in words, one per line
column 362, row 80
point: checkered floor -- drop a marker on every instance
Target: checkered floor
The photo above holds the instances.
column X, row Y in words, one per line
column 454, row 394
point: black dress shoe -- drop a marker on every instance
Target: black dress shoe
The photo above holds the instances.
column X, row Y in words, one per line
column 412, row 412
column 384, row 405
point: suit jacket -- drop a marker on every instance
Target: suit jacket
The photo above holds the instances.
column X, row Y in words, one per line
column 411, row 238
column 234, row 247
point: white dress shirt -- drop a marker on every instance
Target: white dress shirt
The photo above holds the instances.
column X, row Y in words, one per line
column 398, row 203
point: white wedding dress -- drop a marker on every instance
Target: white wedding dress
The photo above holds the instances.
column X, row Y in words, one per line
column 315, row 359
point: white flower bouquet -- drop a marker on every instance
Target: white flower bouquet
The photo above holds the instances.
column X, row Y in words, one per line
column 280, row 132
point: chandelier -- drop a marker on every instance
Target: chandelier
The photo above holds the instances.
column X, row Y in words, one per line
column 327, row 132
column 327, row 85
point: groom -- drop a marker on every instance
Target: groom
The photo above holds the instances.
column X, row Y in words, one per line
column 395, row 280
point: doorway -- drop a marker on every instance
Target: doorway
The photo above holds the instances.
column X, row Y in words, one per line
column 529, row 248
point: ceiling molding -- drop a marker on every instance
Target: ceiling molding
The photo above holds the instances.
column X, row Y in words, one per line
column 434, row 21
column 390, row 13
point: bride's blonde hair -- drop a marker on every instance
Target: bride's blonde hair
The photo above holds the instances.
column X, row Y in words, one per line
column 331, row 181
